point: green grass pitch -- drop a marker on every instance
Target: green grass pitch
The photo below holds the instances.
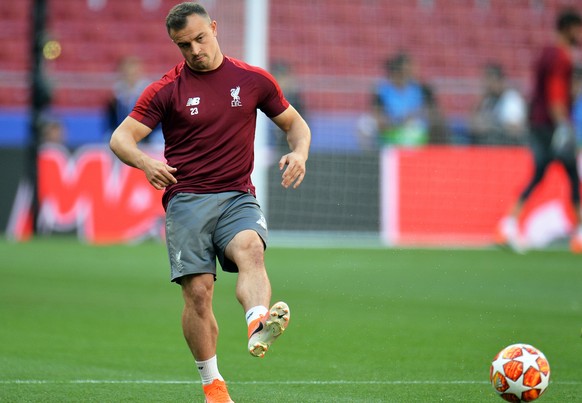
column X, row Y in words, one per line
column 81, row 323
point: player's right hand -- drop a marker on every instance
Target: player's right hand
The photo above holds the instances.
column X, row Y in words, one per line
column 159, row 174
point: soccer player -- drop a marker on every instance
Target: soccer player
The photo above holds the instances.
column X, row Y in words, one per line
column 552, row 134
column 207, row 106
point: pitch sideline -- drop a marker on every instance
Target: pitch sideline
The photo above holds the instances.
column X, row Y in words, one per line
column 298, row 382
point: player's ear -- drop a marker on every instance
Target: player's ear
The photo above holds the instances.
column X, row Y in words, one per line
column 213, row 27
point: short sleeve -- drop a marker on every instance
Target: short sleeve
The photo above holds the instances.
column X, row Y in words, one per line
column 149, row 106
column 272, row 101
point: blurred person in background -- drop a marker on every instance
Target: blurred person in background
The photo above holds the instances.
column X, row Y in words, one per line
column 501, row 112
column 577, row 109
column 281, row 70
column 398, row 115
column 52, row 131
column 207, row 105
column 127, row 88
column 437, row 128
column 552, row 134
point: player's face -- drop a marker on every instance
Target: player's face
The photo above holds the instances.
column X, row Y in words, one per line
column 574, row 35
column 198, row 43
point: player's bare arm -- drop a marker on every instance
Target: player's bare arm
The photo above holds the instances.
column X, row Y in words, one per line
column 123, row 143
column 299, row 139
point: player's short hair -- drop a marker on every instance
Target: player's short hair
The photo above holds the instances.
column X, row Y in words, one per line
column 177, row 17
column 568, row 18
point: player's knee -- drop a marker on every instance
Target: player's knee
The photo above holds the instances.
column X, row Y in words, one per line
column 197, row 292
column 254, row 246
column 247, row 244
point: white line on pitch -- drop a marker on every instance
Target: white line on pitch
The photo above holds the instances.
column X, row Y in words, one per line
column 300, row 382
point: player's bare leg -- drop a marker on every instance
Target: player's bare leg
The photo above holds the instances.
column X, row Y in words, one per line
column 508, row 233
column 253, row 288
column 201, row 333
column 198, row 322
column 576, row 242
column 253, row 291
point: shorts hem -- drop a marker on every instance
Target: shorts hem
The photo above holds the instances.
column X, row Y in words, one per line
column 178, row 279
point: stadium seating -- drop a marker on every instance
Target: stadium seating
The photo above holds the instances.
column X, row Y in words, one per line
column 446, row 38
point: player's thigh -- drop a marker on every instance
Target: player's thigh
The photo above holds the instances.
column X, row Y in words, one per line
column 190, row 221
column 247, row 244
column 242, row 219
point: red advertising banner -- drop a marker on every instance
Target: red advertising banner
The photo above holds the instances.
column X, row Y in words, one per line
column 457, row 196
column 92, row 193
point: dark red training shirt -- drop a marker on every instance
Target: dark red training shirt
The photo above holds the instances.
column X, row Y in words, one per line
column 208, row 120
column 552, row 83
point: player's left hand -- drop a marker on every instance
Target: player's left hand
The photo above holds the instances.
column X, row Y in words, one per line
column 295, row 171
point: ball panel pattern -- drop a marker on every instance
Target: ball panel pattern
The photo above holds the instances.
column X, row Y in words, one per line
column 520, row 373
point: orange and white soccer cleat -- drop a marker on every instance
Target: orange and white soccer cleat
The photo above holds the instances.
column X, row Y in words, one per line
column 264, row 330
column 508, row 235
column 216, row 392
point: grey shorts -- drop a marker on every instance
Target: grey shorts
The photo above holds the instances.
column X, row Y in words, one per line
column 200, row 226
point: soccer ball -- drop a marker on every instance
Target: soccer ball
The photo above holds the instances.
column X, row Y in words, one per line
column 520, row 373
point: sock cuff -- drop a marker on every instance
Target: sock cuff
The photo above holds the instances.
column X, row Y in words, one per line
column 205, row 362
column 255, row 312
column 208, row 370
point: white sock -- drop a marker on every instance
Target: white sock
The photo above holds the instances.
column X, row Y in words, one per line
column 209, row 370
column 510, row 226
column 255, row 312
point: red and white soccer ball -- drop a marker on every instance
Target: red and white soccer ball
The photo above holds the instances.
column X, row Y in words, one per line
column 520, row 373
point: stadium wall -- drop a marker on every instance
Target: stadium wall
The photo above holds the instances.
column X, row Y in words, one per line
column 440, row 196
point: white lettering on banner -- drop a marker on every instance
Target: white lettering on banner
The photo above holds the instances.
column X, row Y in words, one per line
column 91, row 191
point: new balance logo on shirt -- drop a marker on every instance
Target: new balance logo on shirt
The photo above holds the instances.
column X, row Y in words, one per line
column 193, row 101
